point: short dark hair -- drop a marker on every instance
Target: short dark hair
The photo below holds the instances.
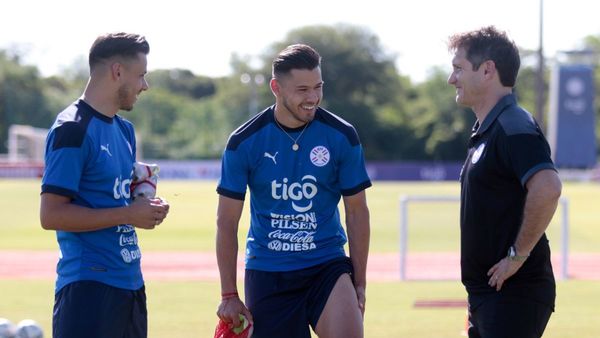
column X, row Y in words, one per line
column 298, row 56
column 488, row 43
column 127, row 45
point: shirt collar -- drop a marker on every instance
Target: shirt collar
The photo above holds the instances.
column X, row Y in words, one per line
column 480, row 128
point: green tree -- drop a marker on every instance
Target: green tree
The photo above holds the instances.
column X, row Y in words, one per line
column 437, row 121
column 21, row 97
column 182, row 82
column 361, row 79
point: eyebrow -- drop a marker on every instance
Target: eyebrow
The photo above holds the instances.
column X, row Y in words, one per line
column 309, row 86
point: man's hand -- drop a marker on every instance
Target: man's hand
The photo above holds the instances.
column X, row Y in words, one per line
column 362, row 298
column 502, row 271
column 148, row 213
column 230, row 309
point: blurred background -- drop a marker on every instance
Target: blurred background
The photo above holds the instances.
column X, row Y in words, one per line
column 385, row 67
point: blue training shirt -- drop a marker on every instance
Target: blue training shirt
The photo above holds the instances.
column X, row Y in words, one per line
column 295, row 222
column 89, row 158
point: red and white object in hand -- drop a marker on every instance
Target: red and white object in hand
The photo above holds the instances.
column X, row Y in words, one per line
column 144, row 180
column 224, row 330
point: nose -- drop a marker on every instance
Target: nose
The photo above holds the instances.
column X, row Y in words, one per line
column 452, row 78
column 314, row 96
column 145, row 85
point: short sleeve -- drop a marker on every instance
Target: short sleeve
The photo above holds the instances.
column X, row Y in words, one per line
column 64, row 161
column 527, row 154
column 353, row 175
column 234, row 174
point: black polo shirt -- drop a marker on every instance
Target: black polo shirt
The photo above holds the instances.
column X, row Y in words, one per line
column 504, row 152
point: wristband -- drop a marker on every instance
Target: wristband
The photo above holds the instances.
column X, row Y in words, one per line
column 229, row 295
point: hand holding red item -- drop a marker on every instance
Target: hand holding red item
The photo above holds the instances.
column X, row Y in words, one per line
column 224, row 330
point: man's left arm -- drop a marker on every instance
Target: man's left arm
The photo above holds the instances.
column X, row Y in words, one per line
column 543, row 191
column 358, row 227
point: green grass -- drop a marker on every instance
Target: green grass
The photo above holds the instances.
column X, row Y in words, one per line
column 191, row 222
column 187, row 309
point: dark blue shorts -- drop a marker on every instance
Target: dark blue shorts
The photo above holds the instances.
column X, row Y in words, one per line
column 501, row 316
column 95, row 310
column 284, row 304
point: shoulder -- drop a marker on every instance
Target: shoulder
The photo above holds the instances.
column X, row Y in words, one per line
column 71, row 126
column 249, row 128
column 339, row 124
column 125, row 125
column 123, row 121
column 516, row 120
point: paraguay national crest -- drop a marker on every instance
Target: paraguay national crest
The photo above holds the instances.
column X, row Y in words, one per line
column 319, row 156
column 477, row 153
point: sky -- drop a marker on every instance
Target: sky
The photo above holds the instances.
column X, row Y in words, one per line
column 202, row 35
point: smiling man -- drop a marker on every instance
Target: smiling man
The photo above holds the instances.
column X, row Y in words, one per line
column 86, row 199
column 509, row 192
column 298, row 161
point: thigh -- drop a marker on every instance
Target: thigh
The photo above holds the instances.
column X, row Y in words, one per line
column 277, row 303
column 91, row 309
column 341, row 307
column 502, row 317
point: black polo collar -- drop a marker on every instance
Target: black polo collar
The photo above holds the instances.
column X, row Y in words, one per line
column 479, row 129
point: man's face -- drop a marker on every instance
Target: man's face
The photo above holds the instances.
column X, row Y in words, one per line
column 466, row 80
column 300, row 92
column 133, row 81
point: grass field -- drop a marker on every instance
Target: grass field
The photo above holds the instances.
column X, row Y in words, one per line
column 191, row 222
column 186, row 309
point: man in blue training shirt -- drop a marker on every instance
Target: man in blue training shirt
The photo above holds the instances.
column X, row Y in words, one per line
column 90, row 151
column 298, row 161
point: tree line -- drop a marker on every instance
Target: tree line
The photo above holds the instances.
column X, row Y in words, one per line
column 187, row 116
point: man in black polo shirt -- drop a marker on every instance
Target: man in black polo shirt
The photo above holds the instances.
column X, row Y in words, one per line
column 509, row 192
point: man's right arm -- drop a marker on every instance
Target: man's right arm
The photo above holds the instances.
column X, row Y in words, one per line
column 58, row 213
column 229, row 212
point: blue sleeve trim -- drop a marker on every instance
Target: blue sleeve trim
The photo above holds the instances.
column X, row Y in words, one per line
column 353, row 191
column 534, row 170
column 248, row 129
column 231, row 194
column 58, row 191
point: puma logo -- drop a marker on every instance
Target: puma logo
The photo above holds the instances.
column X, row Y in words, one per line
column 272, row 156
column 105, row 148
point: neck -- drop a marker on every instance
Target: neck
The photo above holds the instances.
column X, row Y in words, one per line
column 286, row 118
column 101, row 99
column 483, row 107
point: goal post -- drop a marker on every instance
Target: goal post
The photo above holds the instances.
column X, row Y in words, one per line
column 26, row 143
column 405, row 200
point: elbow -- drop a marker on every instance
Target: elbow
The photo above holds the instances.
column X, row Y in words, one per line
column 46, row 221
column 47, row 225
column 555, row 189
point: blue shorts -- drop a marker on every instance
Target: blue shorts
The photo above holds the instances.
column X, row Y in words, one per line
column 284, row 304
column 95, row 310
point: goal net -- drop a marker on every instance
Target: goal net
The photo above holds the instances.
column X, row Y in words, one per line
column 26, row 143
column 429, row 237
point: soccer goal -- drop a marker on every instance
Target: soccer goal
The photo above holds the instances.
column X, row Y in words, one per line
column 26, row 143
column 406, row 200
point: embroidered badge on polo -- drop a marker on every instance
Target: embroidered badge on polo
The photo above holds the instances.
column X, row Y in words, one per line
column 477, row 153
column 319, row 156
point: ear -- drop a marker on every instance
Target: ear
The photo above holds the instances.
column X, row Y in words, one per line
column 115, row 70
column 274, row 84
column 489, row 68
